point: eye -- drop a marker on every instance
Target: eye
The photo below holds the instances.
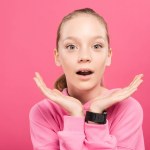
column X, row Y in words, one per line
column 70, row 46
column 96, row 46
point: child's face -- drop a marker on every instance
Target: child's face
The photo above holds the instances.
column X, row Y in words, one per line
column 85, row 51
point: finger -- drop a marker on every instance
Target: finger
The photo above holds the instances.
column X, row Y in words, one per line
column 133, row 86
column 131, row 91
column 137, row 77
column 36, row 81
column 125, row 96
column 44, row 85
column 57, row 91
column 45, row 90
column 54, row 95
column 136, row 84
column 40, row 79
column 39, row 85
column 133, row 83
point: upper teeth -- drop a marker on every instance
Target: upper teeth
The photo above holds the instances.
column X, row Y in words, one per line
column 84, row 70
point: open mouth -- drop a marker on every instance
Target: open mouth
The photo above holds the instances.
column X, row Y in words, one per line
column 84, row 73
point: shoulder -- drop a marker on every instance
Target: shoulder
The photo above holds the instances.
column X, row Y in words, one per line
column 130, row 104
column 38, row 109
column 45, row 109
column 129, row 109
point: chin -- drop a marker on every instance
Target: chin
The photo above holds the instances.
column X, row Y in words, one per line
column 85, row 86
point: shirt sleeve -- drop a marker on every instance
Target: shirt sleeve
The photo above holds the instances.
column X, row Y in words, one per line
column 123, row 134
column 43, row 135
column 72, row 136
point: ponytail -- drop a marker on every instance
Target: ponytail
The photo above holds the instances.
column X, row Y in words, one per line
column 61, row 83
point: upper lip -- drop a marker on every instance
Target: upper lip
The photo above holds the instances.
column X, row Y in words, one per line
column 84, row 69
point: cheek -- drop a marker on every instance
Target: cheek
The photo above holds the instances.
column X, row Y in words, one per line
column 100, row 65
column 100, row 60
column 67, row 65
column 68, row 59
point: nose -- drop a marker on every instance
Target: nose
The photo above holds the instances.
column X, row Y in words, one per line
column 84, row 56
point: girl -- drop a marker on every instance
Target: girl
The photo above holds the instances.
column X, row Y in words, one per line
column 80, row 113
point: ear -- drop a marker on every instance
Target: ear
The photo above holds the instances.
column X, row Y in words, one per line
column 56, row 56
column 108, row 61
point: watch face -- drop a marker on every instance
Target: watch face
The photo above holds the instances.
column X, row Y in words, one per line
column 96, row 117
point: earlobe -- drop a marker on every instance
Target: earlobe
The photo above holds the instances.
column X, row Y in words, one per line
column 56, row 56
column 108, row 63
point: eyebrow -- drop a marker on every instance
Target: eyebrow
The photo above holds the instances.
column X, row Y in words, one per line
column 75, row 38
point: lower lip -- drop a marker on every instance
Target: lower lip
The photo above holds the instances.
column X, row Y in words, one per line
column 85, row 77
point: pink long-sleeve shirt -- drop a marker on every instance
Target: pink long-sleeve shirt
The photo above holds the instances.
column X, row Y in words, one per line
column 52, row 128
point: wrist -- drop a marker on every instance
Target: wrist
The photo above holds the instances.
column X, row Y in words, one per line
column 77, row 114
column 96, row 110
column 90, row 122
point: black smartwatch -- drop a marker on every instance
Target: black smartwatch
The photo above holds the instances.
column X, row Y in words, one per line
column 96, row 117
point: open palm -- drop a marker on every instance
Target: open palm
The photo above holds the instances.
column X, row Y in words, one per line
column 101, row 103
column 70, row 104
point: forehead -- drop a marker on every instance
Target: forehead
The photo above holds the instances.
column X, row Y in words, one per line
column 83, row 26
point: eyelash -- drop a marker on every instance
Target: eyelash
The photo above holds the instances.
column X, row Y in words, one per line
column 69, row 46
column 99, row 45
column 74, row 46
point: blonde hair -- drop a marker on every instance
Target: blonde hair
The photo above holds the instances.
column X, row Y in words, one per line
column 61, row 82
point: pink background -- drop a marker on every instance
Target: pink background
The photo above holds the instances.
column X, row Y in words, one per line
column 28, row 30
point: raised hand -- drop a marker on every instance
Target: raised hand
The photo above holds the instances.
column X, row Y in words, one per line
column 70, row 104
column 101, row 103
